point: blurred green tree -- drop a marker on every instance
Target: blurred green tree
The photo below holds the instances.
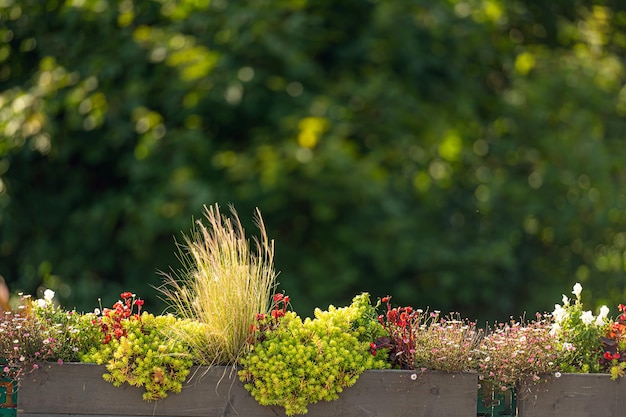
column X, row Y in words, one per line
column 466, row 155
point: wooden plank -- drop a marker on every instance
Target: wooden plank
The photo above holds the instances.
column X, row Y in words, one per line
column 573, row 395
column 78, row 389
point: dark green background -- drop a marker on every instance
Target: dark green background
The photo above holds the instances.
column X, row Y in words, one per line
column 462, row 155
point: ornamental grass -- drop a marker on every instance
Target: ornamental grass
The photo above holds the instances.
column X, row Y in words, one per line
column 224, row 284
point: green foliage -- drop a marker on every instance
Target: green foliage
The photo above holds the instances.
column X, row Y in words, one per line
column 617, row 371
column 466, row 155
column 297, row 362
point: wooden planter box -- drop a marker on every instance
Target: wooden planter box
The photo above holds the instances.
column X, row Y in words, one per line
column 573, row 395
column 78, row 389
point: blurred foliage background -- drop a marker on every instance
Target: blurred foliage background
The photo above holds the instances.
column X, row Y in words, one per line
column 466, row 155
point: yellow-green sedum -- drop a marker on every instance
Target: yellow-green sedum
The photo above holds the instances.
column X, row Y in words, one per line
column 296, row 363
column 147, row 356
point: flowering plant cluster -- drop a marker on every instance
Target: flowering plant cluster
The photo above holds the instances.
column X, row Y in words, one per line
column 502, row 355
column 399, row 339
column 135, row 347
column 514, row 351
column 614, row 345
column 39, row 331
column 570, row 339
column 291, row 362
column 418, row 339
column 578, row 334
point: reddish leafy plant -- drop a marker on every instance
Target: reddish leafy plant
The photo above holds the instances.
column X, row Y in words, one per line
column 399, row 324
column 614, row 345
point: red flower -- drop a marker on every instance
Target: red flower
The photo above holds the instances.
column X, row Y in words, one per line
column 386, row 299
column 392, row 315
column 608, row 356
column 278, row 297
column 112, row 320
column 277, row 314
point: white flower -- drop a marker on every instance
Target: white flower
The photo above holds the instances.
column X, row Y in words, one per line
column 587, row 317
column 604, row 313
column 41, row 303
column 565, row 300
column 555, row 329
column 557, row 374
column 559, row 313
column 577, row 290
column 48, row 295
